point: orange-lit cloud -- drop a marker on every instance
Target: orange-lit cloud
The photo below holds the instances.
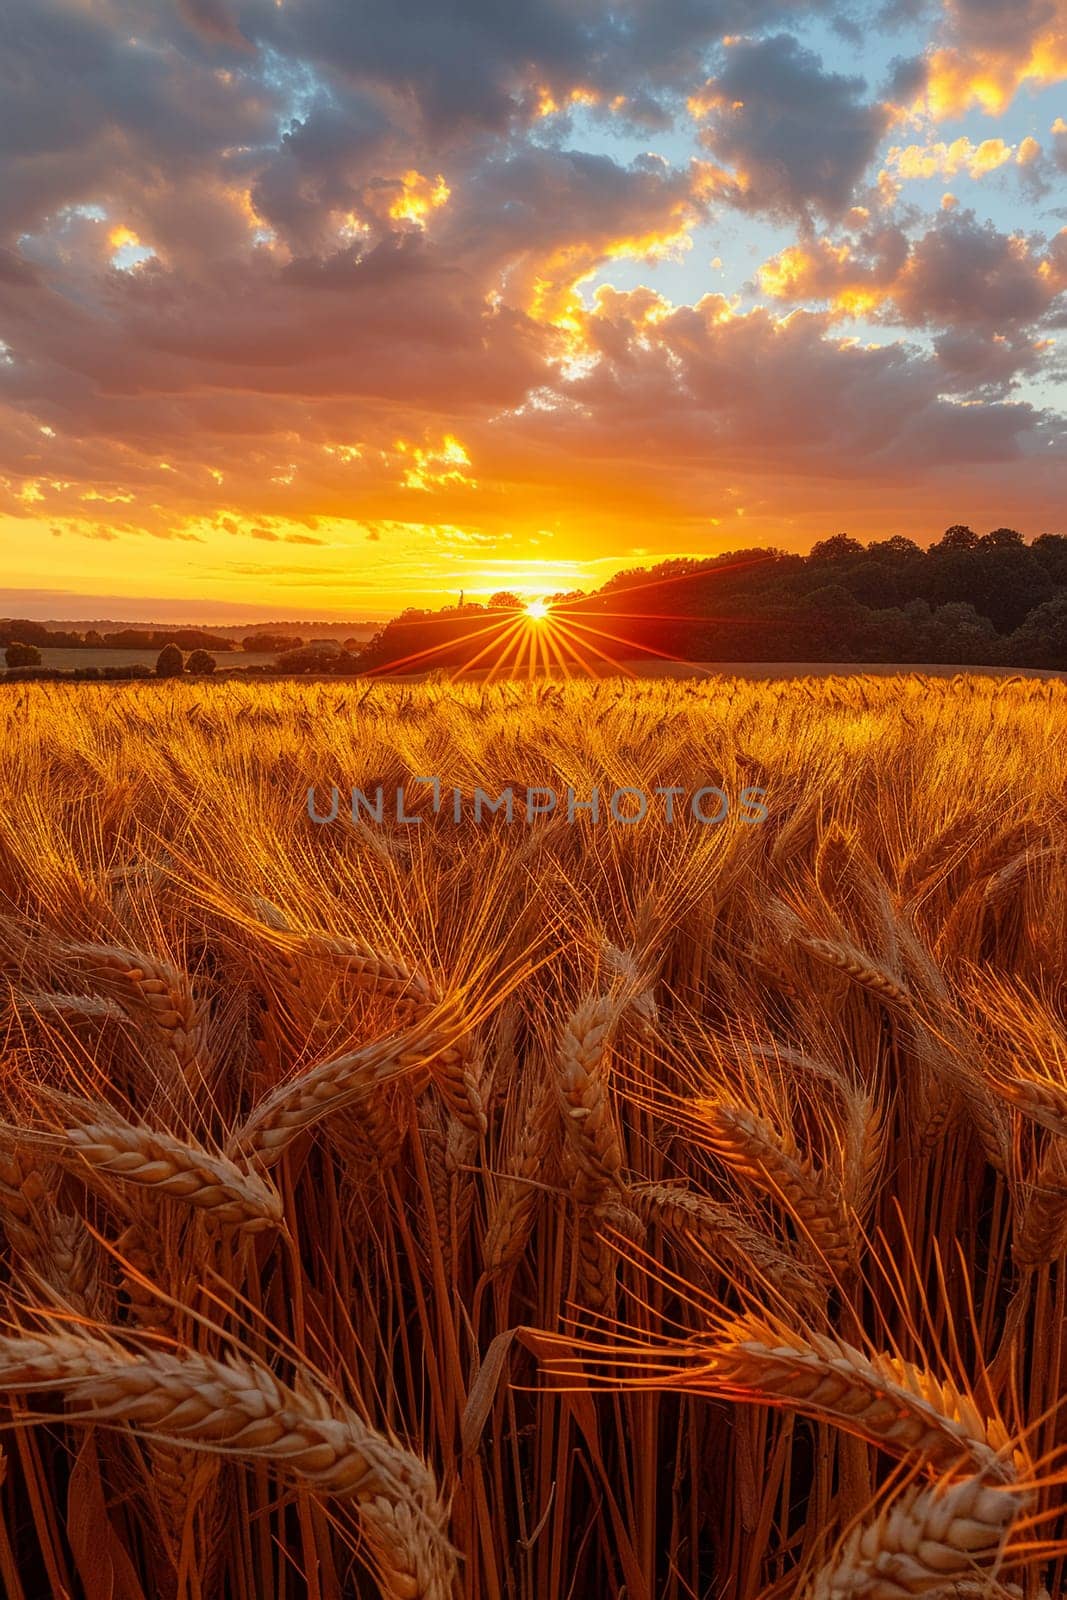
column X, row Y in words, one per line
column 946, row 160
column 448, row 463
column 989, row 53
column 547, row 104
column 418, row 197
column 984, row 293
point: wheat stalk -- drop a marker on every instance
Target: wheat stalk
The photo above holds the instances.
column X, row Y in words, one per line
column 37, row 1004
column 1041, row 1100
column 368, row 966
column 156, row 987
column 531, row 1165
column 1041, row 1228
column 456, row 1065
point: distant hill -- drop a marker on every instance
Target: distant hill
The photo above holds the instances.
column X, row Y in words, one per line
column 227, row 630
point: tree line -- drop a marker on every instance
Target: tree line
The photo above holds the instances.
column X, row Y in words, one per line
column 969, row 599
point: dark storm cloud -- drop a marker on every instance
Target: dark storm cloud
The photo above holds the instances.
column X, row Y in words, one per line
column 328, row 163
column 14, row 269
column 977, row 360
column 999, row 29
column 984, row 51
column 907, row 78
column 798, row 137
column 556, row 212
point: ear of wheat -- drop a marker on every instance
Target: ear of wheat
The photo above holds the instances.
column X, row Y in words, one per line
column 229, row 1195
column 242, row 1409
column 891, row 1403
column 582, row 1087
column 924, row 1541
column 769, row 1161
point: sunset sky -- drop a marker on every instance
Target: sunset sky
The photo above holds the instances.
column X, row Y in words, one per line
column 327, row 307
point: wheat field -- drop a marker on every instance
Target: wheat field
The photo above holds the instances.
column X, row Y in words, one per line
column 526, row 1211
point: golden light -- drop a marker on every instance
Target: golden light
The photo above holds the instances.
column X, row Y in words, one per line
column 537, row 610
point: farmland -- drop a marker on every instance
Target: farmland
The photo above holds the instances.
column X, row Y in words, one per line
column 467, row 1209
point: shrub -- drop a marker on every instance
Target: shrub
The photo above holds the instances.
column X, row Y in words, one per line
column 200, row 662
column 169, row 663
column 22, row 655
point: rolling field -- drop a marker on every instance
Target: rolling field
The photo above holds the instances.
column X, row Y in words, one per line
column 427, row 1204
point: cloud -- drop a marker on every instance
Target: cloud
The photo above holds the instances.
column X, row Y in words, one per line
column 212, row 19
column 987, row 51
column 965, row 273
column 960, row 275
column 856, row 277
column 785, row 391
column 1059, row 143
column 799, row 138
column 370, row 275
column 475, row 65
column 541, row 220
column 962, row 155
column 95, row 112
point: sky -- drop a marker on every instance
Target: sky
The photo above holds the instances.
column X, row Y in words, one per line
column 324, row 308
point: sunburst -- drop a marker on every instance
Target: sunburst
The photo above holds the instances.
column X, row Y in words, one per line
column 554, row 636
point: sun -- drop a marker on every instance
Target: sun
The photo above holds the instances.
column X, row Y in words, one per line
column 537, row 610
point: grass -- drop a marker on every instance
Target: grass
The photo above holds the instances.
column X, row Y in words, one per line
column 526, row 1211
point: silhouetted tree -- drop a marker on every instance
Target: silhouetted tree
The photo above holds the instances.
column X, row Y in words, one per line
column 958, row 537
column 958, row 633
column 20, row 630
column 898, row 548
column 839, row 548
column 1051, row 551
column 963, row 600
column 325, row 656
column 200, row 662
column 169, row 663
column 1041, row 641
column 22, row 655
